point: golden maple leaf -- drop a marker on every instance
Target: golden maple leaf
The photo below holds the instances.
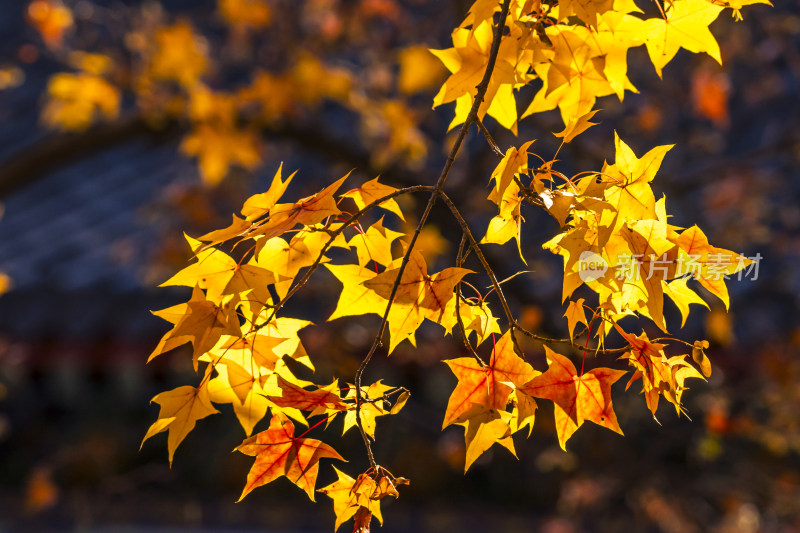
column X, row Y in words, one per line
column 180, row 409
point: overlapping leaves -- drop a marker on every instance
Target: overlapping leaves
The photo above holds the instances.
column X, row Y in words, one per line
column 576, row 50
column 615, row 238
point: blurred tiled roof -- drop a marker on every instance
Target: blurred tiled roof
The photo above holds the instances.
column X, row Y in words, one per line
column 62, row 230
column 72, row 241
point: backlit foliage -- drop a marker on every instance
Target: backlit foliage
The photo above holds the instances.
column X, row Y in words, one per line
column 169, row 74
column 616, row 239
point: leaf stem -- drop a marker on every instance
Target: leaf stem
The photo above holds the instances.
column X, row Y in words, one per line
column 312, row 427
column 484, row 263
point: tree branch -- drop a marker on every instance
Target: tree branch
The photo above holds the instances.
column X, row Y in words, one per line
column 485, row 264
column 482, row 87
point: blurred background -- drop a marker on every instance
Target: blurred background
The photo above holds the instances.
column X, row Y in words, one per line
column 119, row 130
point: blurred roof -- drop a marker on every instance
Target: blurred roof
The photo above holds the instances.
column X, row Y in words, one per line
column 74, row 237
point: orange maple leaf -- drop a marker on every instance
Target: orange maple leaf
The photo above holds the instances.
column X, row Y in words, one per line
column 660, row 375
column 279, row 453
column 577, row 398
column 52, row 19
column 308, row 211
column 486, row 385
column 708, row 264
column 317, row 401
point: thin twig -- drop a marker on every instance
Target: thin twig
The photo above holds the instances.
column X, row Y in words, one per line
column 493, row 145
column 531, row 196
column 484, row 263
column 542, row 338
column 459, row 297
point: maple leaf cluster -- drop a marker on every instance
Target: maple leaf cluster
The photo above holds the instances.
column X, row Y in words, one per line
column 232, row 324
column 616, row 239
column 577, row 50
column 167, row 70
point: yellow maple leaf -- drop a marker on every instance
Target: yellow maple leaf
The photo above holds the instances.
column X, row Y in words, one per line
column 575, row 313
column 586, row 10
column 287, row 328
column 355, row 298
column 304, row 78
column 203, row 324
column 235, row 385
column 181, row 408
column 219, row 274
column 214, row 107
column 467, row 62
column 372, row 191
column 628, row 189
column 285, row 260
column 274, row 95
column 576, row 126
column 418, row 296
column 682, row 295
column 374, row 245
column 393, row 126
column 708, row 264
column 484, row 429
column 478, row 318
column 261, row 204
column 685, row 26
column 573, row 79
column 507, row 224
column 370, row 410
column 96, row 64
column 256, row 350
column 514, row 162
column 616, row 34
